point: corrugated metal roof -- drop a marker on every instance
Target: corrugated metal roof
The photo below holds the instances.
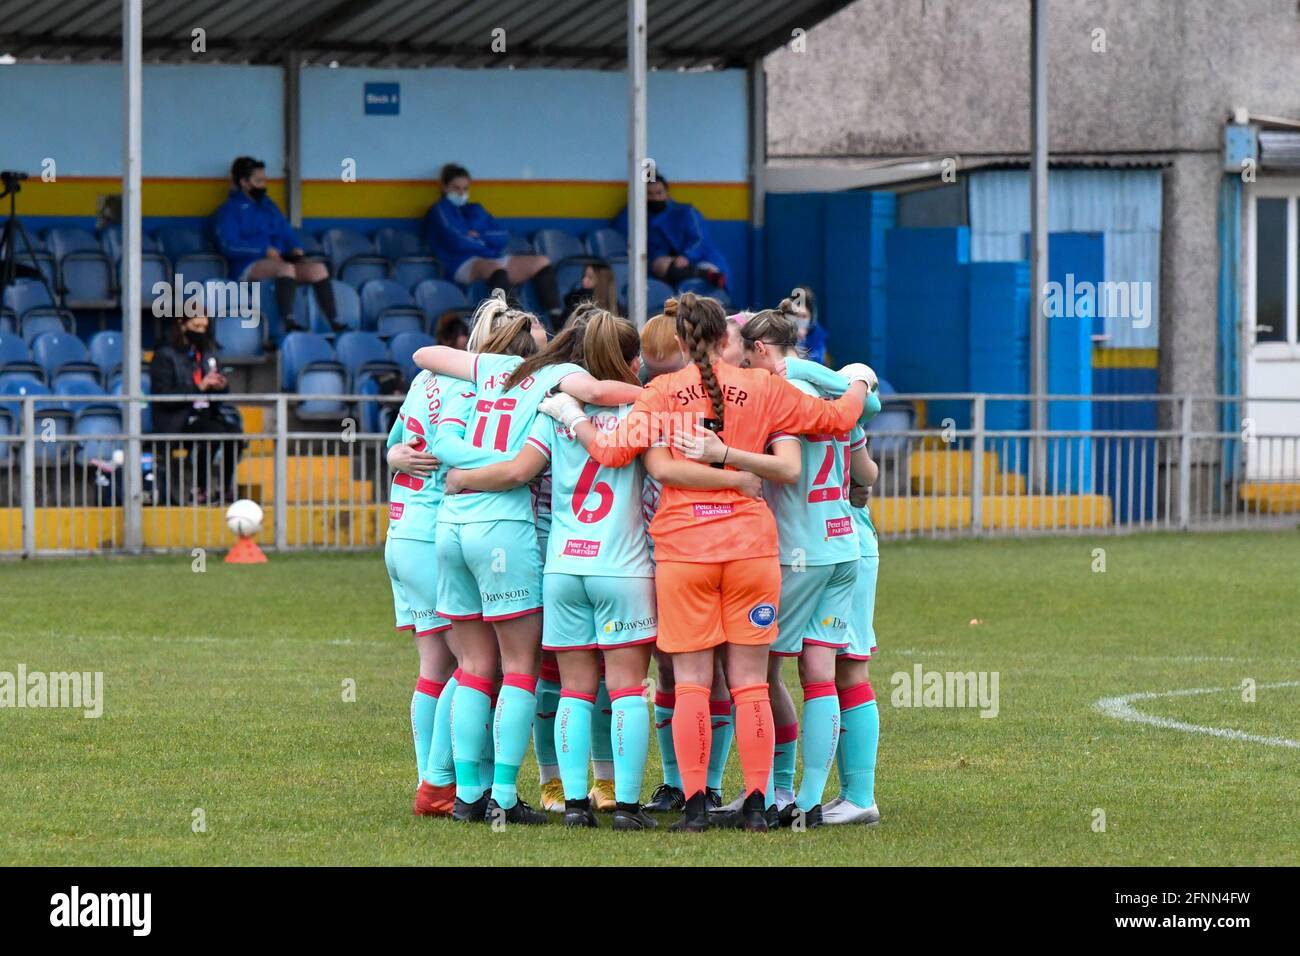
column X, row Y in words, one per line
column 588, row 34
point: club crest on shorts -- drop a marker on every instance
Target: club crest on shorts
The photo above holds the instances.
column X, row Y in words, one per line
column 762, row 615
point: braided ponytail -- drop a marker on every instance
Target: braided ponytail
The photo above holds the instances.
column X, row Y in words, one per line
column 701, row 324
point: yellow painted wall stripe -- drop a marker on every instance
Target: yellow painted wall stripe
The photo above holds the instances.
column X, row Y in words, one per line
column 382, row 199
column 1125, row 358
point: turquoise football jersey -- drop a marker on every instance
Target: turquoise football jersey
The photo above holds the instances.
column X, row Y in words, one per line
column 869, row 543
column 813, row 518
column 497, row 431
column 829, row 384
column 413, row 502
column 597, row 514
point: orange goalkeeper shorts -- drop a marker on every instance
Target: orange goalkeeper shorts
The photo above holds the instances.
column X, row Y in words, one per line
column 705, row 605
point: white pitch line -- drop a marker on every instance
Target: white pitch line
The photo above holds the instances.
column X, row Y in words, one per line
column 1121, row 708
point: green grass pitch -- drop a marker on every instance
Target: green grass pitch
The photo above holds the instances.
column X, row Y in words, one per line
column 224, row 693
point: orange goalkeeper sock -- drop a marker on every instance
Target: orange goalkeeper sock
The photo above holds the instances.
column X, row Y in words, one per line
column 692, row 736
column 755, row 736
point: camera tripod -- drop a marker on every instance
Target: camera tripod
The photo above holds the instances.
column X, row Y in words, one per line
column 13, row 231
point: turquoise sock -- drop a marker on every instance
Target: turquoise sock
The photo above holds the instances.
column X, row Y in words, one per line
column 573, row 742
column 424, row 705
column 821, row 731
column 602, row 754
column 664, row 704
column 630, row 742
column 512, row 730
column 839, row 757
column 440, row 770
column 769, row 795
column 548, row 702
column 471, row 708
column 785, row 756
column 720, row 746
column 861, row 739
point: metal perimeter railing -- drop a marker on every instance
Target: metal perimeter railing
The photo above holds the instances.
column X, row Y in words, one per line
column 950, row 465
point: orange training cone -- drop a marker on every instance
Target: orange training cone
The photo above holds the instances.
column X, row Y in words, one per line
column 245, row 551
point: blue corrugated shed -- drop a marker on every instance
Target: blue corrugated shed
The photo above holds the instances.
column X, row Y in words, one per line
column 1125, row 205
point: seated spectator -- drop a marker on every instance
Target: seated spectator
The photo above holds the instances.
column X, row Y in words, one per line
column 677, row 239
column 186, row 363
column 452, row 331
column 597, row 285
column 471, row 245
column 812, row 337
column 259, row 243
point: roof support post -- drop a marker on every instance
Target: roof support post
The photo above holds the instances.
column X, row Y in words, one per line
column 1038, row 232
column 132, row 156
column 293, row 136
column 638, row 171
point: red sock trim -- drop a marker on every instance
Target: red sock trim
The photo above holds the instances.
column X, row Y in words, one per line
column 857, row 695
column 720, row 708
column 456, row 674
column 626, row 692
column 787, row 734
column 818, row 689
column 578, row 695
column 523, row 681
column 481, row 684
column 430, row 687
column 665, row 700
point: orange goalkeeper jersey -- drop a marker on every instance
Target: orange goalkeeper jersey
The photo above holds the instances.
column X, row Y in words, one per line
column 714, row 526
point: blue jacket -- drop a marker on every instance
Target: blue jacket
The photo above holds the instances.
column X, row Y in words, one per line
column 447, row 228
column 246, row 229
column 679, row 231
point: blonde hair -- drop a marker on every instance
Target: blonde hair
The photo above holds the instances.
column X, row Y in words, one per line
column 701, row 324
column 777, row 327
column 593, row 338
column 492, row 313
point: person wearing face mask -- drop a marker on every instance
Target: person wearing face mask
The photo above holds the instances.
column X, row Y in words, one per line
column 471, row 245
column 678, row 245
column 259, row 243
column 187, row 364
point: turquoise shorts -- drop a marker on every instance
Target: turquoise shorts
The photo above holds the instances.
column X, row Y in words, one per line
column 862, row 631
column 413, row 573
column 588, row 611
column 488, row 569
column 815, row 607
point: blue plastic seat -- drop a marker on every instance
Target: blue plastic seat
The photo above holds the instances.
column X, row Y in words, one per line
column 557, row 245
column 517, row 245
column 18, row 384
column 607, row 243
column 411, row 272
column 568, row 276
column 110, row 240
column 64, row 240
column 87, row 281
column 346, row 247
column 23, row 295
column 105, row 348
column 54, row 351
column 363, row 354
column 657, row 292
column 8, row 322
column 396, row 321
column 200, row 266
column 115, row 387
column 90, row 423
column 701, row 287
column 14, row 351
column 242, row 339
column 38, row 322
column 298, row 352
column 357, row 272
column 180, row 240
column 434, row 297
column 405, row 345
column 79, row 383
column 347, row 305
column 381, row 296
column 394, row 243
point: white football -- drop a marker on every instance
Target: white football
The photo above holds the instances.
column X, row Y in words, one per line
column 244, row 518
